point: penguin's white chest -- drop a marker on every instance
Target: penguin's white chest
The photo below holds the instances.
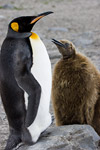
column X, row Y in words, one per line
column 41, row 70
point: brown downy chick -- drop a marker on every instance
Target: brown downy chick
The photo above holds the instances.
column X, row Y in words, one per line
column 75, row 88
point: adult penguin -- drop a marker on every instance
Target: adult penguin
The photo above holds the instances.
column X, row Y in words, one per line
column 25, row 69
column 75, row 88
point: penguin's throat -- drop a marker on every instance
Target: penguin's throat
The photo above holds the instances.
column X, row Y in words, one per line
column 34, row 36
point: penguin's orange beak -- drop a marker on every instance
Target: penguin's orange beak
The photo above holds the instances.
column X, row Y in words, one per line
column 40, row 16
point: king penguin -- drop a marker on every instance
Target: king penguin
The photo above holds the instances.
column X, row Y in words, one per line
column 75, row 88
column 25, row 81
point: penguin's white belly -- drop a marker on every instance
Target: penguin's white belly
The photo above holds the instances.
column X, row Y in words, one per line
column 41, row 70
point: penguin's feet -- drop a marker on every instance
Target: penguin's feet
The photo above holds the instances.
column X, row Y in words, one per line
column 16, row 138
column 26, row 137
column 13, row 140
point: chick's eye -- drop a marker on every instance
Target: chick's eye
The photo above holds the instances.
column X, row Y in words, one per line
column 66, row 45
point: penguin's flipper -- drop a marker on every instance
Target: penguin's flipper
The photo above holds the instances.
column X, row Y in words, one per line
column 33, row 89
column 26, row 81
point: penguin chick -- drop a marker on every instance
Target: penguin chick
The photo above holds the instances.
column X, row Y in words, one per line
column 75, row 88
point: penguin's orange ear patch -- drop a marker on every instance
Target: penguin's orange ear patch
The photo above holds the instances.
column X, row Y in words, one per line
column 15, row 26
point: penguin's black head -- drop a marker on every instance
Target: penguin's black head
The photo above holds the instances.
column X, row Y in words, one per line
column 65, row 47
column 25, row 23
column 22, row 24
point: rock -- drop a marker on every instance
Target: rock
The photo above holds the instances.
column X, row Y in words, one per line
column 71, row 137
column 84, row 39
column 2, row 17
column 8, row 6
column 58, row 29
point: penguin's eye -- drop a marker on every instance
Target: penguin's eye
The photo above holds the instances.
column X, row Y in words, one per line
column 15, row 26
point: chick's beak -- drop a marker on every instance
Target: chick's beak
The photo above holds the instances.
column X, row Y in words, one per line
column 38, row 17
column 58, row 43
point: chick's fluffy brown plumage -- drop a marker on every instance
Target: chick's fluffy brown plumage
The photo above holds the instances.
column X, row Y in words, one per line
column 76, row 89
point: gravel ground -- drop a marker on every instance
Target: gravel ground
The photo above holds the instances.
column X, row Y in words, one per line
column 75, row 20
